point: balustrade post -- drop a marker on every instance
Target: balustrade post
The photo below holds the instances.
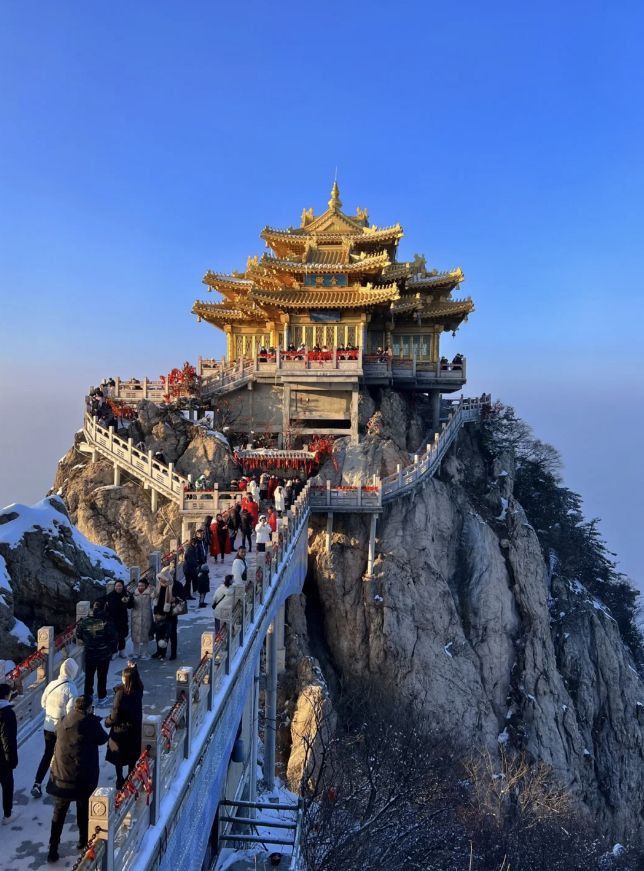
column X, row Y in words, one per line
column 399, row 473
column 359, row 494
column 102, row 813
column 110, row 431
column 135, row 574
column 45, row 641
column 117, row 387
column 216, row 496
column 229, row 636
column 242, row 628
column 150, row 463
column 270, row 722
column 170, row 475
column 154, row 563
column 252, row 601
column 151, row 741
column 208, row 649
column 130, row 445
column 328, row 492
column 145, row 388
column 185, row 685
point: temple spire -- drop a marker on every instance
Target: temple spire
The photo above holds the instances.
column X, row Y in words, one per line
column 335, row 202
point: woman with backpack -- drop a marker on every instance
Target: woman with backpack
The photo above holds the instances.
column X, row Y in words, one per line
column 57, row 701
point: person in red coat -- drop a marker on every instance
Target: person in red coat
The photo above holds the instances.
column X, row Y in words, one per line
column 271, row 519
column 219, row 538
column 252, row 507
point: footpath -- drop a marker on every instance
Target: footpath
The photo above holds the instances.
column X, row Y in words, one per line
column 24, row 844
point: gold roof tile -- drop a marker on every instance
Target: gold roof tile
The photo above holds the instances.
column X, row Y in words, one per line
column 312, row 298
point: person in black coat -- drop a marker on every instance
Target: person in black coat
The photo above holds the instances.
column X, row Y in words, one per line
column 125, row 722
column 206, row 532
column 117, row 604
column 8, row 750
column 99, row 636
column 170, row 596
column 191, row 563
column 74, row 770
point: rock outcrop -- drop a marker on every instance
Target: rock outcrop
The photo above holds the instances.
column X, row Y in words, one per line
column 121, row 516
column 462, row 616
column 46, row 566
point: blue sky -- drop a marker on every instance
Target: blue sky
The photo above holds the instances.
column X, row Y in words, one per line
column 141, row 144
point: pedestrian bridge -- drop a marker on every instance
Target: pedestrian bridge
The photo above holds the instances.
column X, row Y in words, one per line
column 195, row 788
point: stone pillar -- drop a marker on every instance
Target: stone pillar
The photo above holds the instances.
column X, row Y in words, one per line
column 329, row 531
column 154, row 501
column 270, row 720
column 280, row 631
column 184, row 685
column 102, row 814
column 184, row 530
column 355, row 397
column 254, row 738
column 117, row 475
column 46, row 643
column 371, row 553
column 286, row 407
column 436, row 410
column 151, row 740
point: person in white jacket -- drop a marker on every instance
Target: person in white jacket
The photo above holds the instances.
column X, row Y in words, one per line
column 57, row 701
column 280, row 501
column 263, row 534
column 223, row 601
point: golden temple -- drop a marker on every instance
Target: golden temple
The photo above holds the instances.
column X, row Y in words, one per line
column 329, row 309
column 333, row 281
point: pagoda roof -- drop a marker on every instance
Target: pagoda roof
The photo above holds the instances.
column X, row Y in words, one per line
column 329, row 263
column 220, row 312
column 218, row 280
column 299, row 236
column 320, row 298
column 436, row 279
column 448, row 308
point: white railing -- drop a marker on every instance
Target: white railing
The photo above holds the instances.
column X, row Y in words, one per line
column 142, row 465
column 153, row 795
column 427, row 464
column 135, row 390
column 422, row 372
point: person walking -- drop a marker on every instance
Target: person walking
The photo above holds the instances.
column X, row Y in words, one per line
column 207, row 532
column 169, row 604
column 203, row 572
column 191, row 563
column 246, row 528
column 141, row 618
column 222, row 602
column 263, row 534
column 278, row 496
column 271, row 519
column 8, row 752
column 240, row 569
column 57, row 701
column 220, row 539
column 117, row 604
column 74, row 770
column 98, row 634
column 125, row 724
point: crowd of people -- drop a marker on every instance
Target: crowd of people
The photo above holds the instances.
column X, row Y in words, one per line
column 73, row 733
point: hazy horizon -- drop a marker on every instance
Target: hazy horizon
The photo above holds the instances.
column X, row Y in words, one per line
column 141, row 146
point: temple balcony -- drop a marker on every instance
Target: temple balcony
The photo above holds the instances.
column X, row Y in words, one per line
column 413, row 374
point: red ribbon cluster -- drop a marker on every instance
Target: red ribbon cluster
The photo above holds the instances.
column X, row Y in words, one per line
column 139, row 779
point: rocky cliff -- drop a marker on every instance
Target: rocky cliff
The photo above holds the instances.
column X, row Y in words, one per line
column 121, row 516
column 46, row 566
column 463, row 615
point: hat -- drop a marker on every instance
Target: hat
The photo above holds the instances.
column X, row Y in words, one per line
column 262, row 517
column 165, row 576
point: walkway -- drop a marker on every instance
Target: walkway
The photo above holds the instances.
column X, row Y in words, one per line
column 25, row 843
column 162, row 479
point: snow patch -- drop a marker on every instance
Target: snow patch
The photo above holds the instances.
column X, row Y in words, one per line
column 504, row 509
column 22, row 633
column 618, row 850
column 503, row 737
column 44, row 516
column 5, row 580
column 446, row 649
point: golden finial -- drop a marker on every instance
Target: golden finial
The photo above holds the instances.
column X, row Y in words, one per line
column 335, row 202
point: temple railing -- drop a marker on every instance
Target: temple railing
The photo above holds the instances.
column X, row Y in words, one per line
column 413, row 369
column 149, row 821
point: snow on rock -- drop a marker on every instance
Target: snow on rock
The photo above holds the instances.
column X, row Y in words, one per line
column 46, row 566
